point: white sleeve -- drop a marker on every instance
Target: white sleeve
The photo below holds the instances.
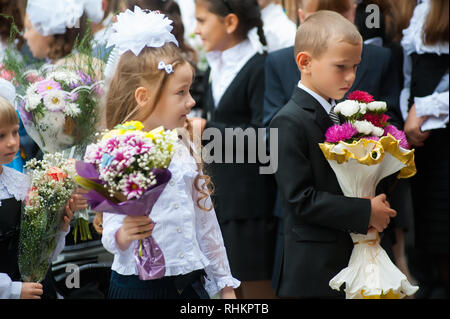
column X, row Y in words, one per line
column 9, row 289
column 211, row 243
column 405, row 93
column 111, row 224
column 436, row 107
column 60, row 244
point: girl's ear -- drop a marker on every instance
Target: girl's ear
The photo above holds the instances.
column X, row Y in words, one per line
column 141, row 95
column 303, row 60
column 231, row 23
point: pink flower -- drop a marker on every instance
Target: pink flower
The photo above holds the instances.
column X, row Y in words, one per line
column 398, row 135
column 47, row 85
column 373, row 138
column 338, row 133
column 360, row 96
column 132, row 188
column 34, row 77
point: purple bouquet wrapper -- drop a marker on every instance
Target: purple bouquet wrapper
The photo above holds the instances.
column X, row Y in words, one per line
column 149, row 256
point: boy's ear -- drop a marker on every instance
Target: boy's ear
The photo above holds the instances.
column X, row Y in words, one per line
column 303, row 60
column 141, row 95
column 301, row 16
column 231, row 23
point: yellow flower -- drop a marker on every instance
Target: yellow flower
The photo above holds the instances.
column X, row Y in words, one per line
column 153, row 134
column 133, row 126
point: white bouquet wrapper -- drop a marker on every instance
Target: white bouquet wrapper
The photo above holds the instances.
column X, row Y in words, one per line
column 359, row 168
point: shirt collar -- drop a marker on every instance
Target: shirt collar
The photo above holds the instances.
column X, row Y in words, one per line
column 231, row 56
column 325, row 104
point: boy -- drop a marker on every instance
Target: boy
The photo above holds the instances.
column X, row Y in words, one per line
column 318, row 218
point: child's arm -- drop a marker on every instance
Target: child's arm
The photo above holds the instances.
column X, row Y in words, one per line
column 211, row 244
column 18, row 290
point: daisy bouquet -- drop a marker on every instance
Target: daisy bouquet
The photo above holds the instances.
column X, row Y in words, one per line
column 52, row 185
column 362, row 151
column 125, row 173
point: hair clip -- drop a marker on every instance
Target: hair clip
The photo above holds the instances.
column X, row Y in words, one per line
column 167, row 67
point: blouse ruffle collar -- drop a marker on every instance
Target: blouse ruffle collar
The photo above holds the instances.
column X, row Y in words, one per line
column 13, row 184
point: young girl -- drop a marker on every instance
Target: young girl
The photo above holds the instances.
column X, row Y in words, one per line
column 13, row 189
column 243, row 199
column 152, row 86
column 425, row 108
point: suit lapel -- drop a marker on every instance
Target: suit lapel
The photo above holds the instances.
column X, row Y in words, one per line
column 311, row 105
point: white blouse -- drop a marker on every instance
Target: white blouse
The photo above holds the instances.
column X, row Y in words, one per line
column 436, row 105
column 189, row 238
column 14, row 184
column 226, row 65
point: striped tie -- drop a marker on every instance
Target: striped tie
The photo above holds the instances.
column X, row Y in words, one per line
column 334, row 117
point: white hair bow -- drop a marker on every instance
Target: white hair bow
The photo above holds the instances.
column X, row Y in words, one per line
column 136, row 30
column 167, row 67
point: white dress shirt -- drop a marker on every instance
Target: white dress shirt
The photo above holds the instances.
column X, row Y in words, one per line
column 226, row 65
column 14, row 184
column 436, row 105
column 279, row 30
column 189, row 237
column 325, row 104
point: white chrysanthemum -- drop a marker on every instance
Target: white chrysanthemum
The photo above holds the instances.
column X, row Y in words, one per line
column 54, row 100
column 347, row 108
column 364, row 127
column 72, row 110
column 65, row 76
column 377, row 131
column 32, row 101
column 377, row 106
column 362, row 108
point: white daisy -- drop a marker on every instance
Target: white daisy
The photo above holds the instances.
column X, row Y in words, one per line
column 54, row 100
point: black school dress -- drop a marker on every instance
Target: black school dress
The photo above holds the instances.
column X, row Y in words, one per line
column 243, row 198
column 430, row 185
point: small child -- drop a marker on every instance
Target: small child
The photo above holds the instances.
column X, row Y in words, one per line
column 13, row 189
column 151, row 85
column 318, row 217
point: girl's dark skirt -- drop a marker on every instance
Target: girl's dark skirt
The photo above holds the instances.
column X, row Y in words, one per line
column 189, row 286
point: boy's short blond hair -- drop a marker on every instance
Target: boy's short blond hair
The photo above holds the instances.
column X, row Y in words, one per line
column 8, row 115
column 315, row 34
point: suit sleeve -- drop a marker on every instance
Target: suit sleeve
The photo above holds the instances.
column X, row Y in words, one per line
column 296, row 183
column 273, row 92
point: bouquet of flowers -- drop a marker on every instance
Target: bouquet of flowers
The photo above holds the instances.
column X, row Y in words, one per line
column 125, row 173
column 52, row 185
column 59, row 110
column 362, row 151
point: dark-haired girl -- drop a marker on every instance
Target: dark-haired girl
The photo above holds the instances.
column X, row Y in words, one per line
column 233, row 105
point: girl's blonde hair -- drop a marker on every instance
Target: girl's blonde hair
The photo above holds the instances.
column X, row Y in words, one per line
column 133, row 72
column 8, row 115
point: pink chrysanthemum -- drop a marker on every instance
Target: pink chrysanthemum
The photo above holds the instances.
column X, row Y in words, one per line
column 398, row 135
column 373, row 138
column 360, row 96
column 379, row 120
column 132, row 187
column 338, row 133
column 47, row 85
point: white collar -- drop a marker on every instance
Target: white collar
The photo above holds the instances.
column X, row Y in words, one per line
column 231, row 56
column 325, row 104
column 13, row 183
column 272, row 11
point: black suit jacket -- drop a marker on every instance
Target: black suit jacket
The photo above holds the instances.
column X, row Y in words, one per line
column 318, row 218
column 374, row 75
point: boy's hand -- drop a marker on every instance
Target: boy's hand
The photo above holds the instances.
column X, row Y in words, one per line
column 31, row 290
column 414, row 134
column 381, row 213
column 68, row 215
column 134, row 228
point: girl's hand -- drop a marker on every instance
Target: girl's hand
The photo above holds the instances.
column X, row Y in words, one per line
column 80, row 203
column 227, row 293
column 68, row 215
column 134, row 228
column 31, row 290
column 414, row 134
